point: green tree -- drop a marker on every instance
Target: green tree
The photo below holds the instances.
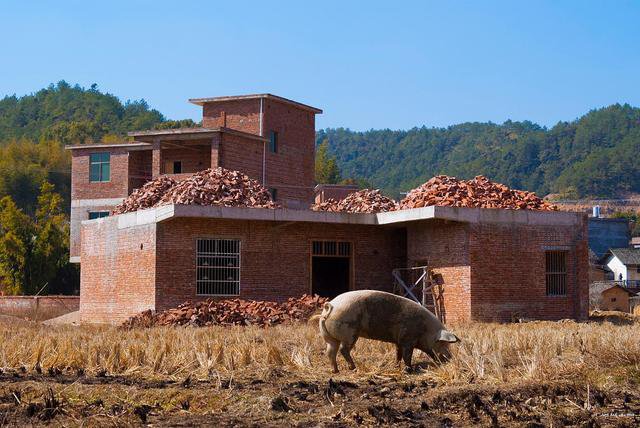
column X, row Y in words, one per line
column 32, row 250
column 16, row 241
column 51, row 246
column 327, row 171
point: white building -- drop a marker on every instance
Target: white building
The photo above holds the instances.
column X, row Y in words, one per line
column 625, row 264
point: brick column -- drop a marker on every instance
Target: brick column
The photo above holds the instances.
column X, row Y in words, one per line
column 156, row 161
column 215, row 150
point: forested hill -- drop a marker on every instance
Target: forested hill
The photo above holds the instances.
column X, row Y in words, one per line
column 72, row 114
column 595, row 155
column 34, row 129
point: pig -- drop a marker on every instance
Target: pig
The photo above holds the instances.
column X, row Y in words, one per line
column 386, row 317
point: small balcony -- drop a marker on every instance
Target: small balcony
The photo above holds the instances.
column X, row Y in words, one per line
column 178, row 153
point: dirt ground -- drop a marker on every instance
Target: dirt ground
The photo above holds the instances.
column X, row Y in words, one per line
column 73, row 399
column 533, row 374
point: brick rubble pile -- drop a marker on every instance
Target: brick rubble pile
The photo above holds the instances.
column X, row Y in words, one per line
column 219, row 186
column 362, row 201
column 146, row 196
column 479, row 192
column 231, row 312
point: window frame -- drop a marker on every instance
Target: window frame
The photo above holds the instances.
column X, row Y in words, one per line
column 557, row 275
column 98, row 214
column 100, row 164
column 238, row 255
column 273, row 141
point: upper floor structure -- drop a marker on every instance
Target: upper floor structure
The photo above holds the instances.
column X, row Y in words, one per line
column 269, row 138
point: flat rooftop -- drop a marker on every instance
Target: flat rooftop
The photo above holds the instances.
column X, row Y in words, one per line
column 464, row 215
column 203, row 101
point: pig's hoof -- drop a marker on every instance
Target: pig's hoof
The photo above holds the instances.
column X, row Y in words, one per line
column 352, row 367
column 409, row 370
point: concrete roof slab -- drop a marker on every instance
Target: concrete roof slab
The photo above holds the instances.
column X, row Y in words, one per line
column 464, row 215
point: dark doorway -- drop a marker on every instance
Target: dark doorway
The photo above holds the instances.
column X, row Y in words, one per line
column 330, row 276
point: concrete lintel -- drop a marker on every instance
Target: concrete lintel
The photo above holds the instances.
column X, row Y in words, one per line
column 324, row 217
column 482, row 215
column 106, row 202
column 401, row 216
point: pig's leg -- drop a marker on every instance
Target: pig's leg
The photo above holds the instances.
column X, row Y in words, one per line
column 398, row 354
column 407, row 354
column 345, row 350
column 332, row 352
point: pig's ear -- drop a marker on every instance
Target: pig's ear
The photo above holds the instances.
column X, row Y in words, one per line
column 447, row 336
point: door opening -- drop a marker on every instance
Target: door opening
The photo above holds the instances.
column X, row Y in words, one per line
column 330, row 268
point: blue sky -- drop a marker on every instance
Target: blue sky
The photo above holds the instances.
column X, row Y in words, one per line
column 367, row 64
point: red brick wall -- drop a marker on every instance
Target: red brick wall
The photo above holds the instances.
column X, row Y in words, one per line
column 336, row 192
column 275, row 257
column 117, row 276
column 118, row 186
column 508, row 272
column 139, row 168
column 292, row 169
column 241, row 154
column 242, row 115
column 444, row 247
column 79, row 214
column 193, row 158
column 496, row 272
column 490, row 271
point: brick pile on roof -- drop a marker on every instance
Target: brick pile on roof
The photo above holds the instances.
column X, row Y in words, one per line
column 479, row 192
column 219, row 186
column 146, row 196
column 231, row 312
column 362, row 201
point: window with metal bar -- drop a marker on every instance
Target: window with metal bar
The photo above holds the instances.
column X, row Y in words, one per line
column 218, row 267
column 556, row 273
column 99, row 167
column 331, row 248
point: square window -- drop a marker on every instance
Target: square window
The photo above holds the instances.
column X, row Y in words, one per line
column 99, row 167
column 556, row 273
column 273, row 142
column 218, row 267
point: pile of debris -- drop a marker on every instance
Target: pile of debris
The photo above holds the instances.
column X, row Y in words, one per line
column 146, row 196
column 219, row 186
column 362, row 201
column 231, row 312
column 479, row 192
column 209, row 187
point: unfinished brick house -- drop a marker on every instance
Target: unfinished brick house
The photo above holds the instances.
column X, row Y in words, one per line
column 269, row 138
column 494, row 264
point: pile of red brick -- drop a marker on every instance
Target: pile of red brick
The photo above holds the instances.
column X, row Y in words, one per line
column 219, row 186
column 362, row 201
column 209, row 187
column 479, row 192
column 146, row 196
column 231, row 312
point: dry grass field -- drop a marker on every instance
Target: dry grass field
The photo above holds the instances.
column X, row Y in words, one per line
column 532, row 374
